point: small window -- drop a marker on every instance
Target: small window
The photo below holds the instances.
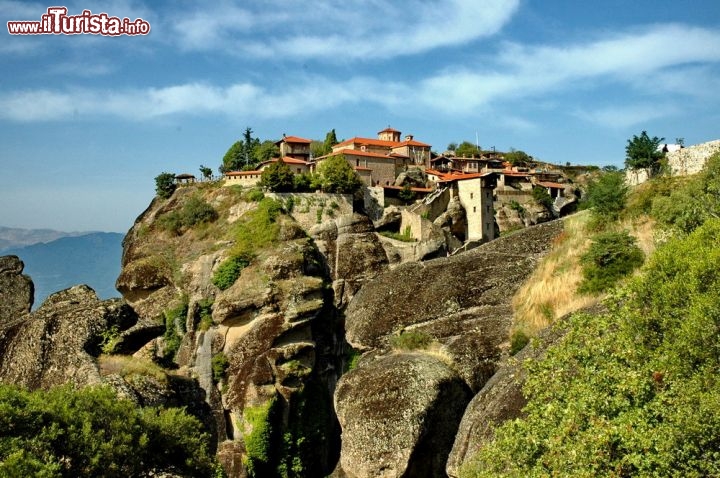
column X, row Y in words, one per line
column 474, row 209
column 471, row 195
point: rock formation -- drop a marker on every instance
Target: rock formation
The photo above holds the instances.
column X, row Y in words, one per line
column 16, row 290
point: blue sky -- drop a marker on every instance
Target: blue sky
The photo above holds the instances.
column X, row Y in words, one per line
column 87, row 122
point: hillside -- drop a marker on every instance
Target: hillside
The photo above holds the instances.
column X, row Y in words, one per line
column 11, row 237
column 92, row 259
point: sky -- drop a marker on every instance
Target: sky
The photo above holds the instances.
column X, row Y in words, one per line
column 88, row 121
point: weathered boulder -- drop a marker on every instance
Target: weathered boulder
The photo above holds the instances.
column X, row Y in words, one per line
column 454, row 222
column 390, row 220
column 399, row 415
column 500, row 399
column 58, row 342
column 16, row 290
column 353, row 252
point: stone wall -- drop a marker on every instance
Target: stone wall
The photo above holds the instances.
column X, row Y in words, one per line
column 309, row 209
column 478, row 203
column 691, row 160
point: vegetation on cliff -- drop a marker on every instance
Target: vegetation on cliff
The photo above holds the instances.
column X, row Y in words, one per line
column 91, row 432
column 633, row 391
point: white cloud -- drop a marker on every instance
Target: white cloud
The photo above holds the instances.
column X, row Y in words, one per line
column 652, row 62
column 624, row 116
column 334, row 30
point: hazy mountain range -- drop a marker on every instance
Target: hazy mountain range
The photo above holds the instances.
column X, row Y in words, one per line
column 58, row 260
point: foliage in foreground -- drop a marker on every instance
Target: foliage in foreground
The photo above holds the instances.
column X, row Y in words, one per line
column 606, row 196
column 92, row 432
column 633, row 392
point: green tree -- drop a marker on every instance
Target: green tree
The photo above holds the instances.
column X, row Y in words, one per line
column 542, row 197
column 330, row 141
column 642, row 152
column 234, row 158
column 467, row 149
column 336, row 176
column 406, row 194
column 265, row 151
column 611, row 256
column 607, row 195
column 165, row 185
column 452, row 146
column 277, row 177
column 518, row 158
column 205, row 171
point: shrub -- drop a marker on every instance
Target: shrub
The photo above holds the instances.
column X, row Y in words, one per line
column 196, row 211
column 205, row 313
column 255, row 195
column 228, row 272
column 606, row 196
column 612, row 256
column 261, row 442
column 632, row 392
column 93, row 432
column 411, row 340
column 405, row 236
column 165, row 185
column 171, row 222
column 542, row 197
column 220, row 365
column 337, row 176
column 277, row 177
column 174, row 321
column 110, row 339
column 518, row 341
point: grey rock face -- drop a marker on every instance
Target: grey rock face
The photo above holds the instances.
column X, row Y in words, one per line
column 399, row 415
column 16, row 290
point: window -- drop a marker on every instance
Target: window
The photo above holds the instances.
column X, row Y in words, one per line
column 471, row 195
column 474, row 209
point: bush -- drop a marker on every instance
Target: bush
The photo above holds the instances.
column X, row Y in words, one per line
column 174, row 321
column 336, row 176
column 220, row 365
column 228, row 272
column 171, row 222
column 165, row 185
column 197, row 211
column 261, row 442
column 632, row 392
column 612, row 256
column 606, row 196
column 255, row 195
column 93, row 432
column 277, row 177
column 206, row 320
column 518, row 341
column 542, row 197
column 411, row 340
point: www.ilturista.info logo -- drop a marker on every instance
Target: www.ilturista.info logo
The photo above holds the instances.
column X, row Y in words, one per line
column 57, row 22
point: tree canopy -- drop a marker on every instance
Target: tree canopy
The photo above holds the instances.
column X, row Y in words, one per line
column 607, row 195
column 165, row 185
column 336, row 176
column 466, row 149
column 642, row 152
column 92, row 432
column 245, row 154
column 518, row 157
column 277, row 177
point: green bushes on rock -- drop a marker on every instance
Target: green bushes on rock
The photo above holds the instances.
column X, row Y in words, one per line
column 412, row 340
column 194, row 212
column 228, row 272
column 612, row 256
column 92, row 432
column 174, row 330
column 632, row 392
column 220, row 365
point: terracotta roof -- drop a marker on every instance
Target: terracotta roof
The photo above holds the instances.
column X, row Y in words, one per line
column 357, row 152
column 398, row 155
column 514, row 173
column 368, row 141
column 389, row 130
column 550, row 184
column 456, row 176
column 412, row 142
column 286, row 160
column 242, row 173
column 294, row 139
column 419, row 190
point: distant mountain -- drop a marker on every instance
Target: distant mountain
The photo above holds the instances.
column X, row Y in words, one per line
column 92, row 259
column 11, row 237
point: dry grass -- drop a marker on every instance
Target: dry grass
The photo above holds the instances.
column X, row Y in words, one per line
column 126, row 366
column 551, row 291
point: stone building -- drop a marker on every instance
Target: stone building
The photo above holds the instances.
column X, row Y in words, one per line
column 294, row 147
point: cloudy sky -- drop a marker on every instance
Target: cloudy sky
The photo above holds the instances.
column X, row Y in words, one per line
column 87, row 122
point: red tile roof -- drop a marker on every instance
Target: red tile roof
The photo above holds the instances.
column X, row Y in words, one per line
column 287, row 160
column 456, row 175
column 550, row 184
column 412, row 142
column 388, row 130
column 294, row 139
column 357, row 152
column 368, row 141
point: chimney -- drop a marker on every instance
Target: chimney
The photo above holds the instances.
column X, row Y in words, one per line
column 408, row 137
